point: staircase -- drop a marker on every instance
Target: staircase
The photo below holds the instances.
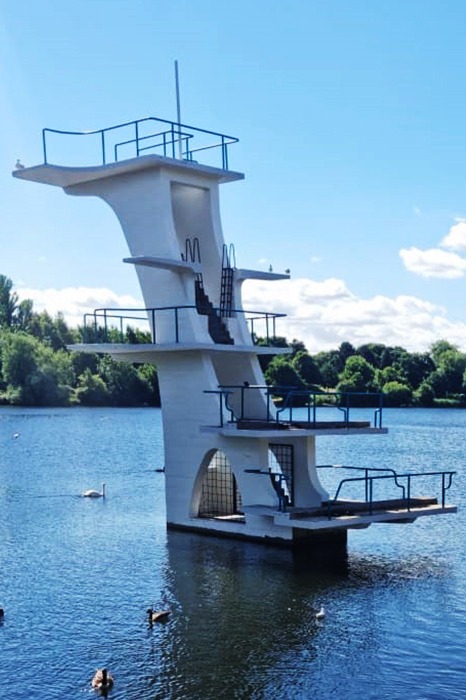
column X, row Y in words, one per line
column 217, row 328
column 226, row 284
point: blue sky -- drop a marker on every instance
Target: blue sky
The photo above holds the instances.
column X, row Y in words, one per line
column 351, row 118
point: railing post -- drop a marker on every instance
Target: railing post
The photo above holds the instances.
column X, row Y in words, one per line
column 103, row 146
column 122, row 339
column 95, row 328
column 136, row 124
column 44, row 144
column 153, row 326
column 370, row 495
column 105, row 326
column 176, row 325
column 267, row 327
column 273, row 327
column 242, row 403
column 314, row 408
column 221, row 408
column 173, row 142
column 164, row 144
column 408, row 504
column 366, row 485
column 347, row 410
column 443, row 489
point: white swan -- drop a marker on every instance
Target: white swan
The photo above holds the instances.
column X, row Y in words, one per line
column 91, row 493
column 321, row 614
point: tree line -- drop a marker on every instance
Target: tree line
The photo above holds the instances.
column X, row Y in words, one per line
column 36, row 369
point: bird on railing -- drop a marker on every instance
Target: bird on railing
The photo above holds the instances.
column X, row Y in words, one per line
column 19, row 165
column 270, row 268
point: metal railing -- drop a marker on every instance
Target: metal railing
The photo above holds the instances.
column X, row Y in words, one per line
column 176, row 137
column 313, row 401
column 278, row 480
column 368, row 480
column 101, row 319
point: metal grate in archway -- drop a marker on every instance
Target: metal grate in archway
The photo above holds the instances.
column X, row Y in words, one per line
column 220, row 496
column 281, row 462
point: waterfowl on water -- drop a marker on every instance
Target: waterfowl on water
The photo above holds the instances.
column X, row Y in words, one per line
column 102, row 679
column 321, row 614
column 2, row 613
column 157, row 615
column 90, row 493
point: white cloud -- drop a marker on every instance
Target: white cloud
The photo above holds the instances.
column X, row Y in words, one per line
column 321, row 314
column 74, row 302
column 316, row 259
column 456, row 238
column 324, row 314
column 433, row 262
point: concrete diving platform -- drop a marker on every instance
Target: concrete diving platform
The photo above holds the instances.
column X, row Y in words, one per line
column 352, row 514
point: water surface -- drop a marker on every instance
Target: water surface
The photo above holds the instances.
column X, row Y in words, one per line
column 77, row 575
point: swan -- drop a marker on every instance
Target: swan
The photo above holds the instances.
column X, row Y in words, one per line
column 91, row 493
column 157, row 615
column 321, row 614
column 102, row 679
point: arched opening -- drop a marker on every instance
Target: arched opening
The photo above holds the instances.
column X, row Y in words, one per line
column 220, row 496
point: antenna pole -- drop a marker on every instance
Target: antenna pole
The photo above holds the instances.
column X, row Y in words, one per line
column 178, row 111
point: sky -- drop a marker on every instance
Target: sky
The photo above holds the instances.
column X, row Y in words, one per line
column 351, row 118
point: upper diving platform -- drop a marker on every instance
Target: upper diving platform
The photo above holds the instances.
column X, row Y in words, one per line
column 137, row 145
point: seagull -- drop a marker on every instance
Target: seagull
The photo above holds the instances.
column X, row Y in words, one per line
column 19, row 165
column 287, row 270
column 321, row 614
column 270, row 268
column 15, row 436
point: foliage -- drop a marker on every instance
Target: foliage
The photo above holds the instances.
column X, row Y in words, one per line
column 37, row 369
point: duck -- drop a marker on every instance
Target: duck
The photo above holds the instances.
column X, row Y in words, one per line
column 157, row 615
column 102, row 680
column 2, row 614
column 321, row 614
column 91, row 493
column 15, row 436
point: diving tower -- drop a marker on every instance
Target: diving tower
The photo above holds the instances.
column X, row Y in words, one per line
column 240, row 457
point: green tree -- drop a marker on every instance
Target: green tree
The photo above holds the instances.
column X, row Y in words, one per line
column 397, row 394
column 306, row 368
column 8, row 302
column 92, row 390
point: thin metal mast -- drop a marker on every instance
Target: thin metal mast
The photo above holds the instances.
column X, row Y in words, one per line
column 178, row 111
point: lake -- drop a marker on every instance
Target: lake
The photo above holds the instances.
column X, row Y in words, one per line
column 77, row 576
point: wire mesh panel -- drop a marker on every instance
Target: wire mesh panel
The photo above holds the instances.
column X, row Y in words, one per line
column 220, row 495
column 281, row 462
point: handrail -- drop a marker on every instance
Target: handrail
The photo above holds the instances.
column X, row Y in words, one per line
column 369, row 500
column 278, row 476
column 108, row 313
column 175, row 130
column 289, row 392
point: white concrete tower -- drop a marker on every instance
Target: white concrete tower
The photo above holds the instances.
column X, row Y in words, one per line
column 234, row 465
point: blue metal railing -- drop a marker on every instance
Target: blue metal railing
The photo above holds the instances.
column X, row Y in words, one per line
column 176, row 136
column 100, row 321
column 312, row 403
column 279, row 481
column 407, row 498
